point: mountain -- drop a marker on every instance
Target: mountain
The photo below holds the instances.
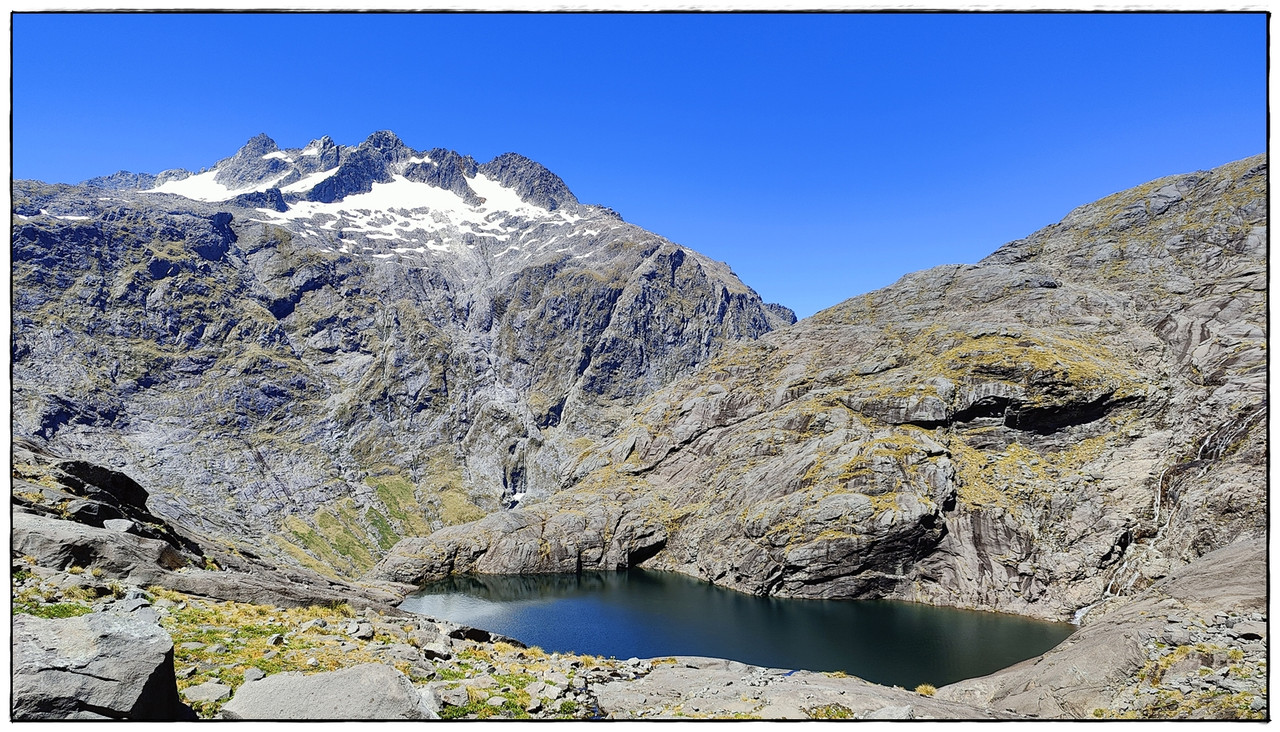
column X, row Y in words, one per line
column 1064, row 422
column 317, row 351
column 379, row 360
column 312, row 378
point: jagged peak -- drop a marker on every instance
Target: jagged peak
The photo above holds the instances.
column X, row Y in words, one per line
column 530, row 179
column 258, row 145
column 384, row 140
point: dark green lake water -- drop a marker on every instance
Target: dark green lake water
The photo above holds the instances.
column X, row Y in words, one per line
column 652, row 614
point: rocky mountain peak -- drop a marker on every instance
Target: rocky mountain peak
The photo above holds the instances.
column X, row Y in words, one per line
column 385, row 141
column 534, row 182
column 258, row 162
column 260, row 144
column 375, row 303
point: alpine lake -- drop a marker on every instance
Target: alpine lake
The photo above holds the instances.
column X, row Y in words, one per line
column 647, row 614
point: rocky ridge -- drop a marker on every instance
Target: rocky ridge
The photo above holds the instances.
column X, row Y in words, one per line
column 315, row 352
column 1066, row 421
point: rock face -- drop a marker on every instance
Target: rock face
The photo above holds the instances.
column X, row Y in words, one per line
column 1183, row 648
column 372, row 691
column 315, row 352
column 1066, row 421
column 97, row 666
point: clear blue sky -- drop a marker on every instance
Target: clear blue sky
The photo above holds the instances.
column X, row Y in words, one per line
column 821, row 156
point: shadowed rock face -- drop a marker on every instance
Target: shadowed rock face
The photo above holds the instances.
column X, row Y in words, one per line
column 319, row 376
column 1067, row 420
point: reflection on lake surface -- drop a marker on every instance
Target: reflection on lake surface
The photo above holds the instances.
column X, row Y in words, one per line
column 651, row 614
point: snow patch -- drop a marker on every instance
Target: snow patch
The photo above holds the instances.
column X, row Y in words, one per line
column 203, row 187
column 310, row 181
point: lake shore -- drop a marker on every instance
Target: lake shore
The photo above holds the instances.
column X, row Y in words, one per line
column 1146, row 657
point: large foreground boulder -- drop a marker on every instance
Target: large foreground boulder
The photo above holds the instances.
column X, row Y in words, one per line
column 97, row 666
column 364, row 692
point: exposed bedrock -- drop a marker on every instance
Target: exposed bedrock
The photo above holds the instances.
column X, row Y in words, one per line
column 1034, row 433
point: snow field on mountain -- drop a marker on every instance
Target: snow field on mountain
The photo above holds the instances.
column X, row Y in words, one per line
column 203, row 187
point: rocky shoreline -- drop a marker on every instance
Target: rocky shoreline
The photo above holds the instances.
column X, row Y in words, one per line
column 89, row 646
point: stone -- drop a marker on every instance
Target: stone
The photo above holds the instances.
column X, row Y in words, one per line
column 369, row 691
column 555, row 678
column 275, row 639
column 422, row 670
column 253, row 674
column 402, row 652
column 455, row 696
column 902, row 712
column 1249, row 630
column 435, row 651
column 57, row 543
column 120, row 524
column 209, row 691
column 96, row 666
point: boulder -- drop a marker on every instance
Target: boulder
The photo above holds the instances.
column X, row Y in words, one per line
column 60, row 544
column 370, row 691
column 96, row 666
column 209, row 691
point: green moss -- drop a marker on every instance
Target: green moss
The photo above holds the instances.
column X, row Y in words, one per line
column 316, row 545
column 302, row 556
column 386, row 536
column 456, row 508
column 830, row 711
column 343, row 538
column 399, row 498
column 52, row 610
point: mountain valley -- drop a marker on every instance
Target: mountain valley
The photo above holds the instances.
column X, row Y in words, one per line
column 323, row 376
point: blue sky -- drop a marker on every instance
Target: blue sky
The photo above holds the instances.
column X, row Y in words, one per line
column 821, row 156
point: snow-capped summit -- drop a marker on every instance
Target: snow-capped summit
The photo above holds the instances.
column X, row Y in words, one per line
column 327, row 173
column 384, row 198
